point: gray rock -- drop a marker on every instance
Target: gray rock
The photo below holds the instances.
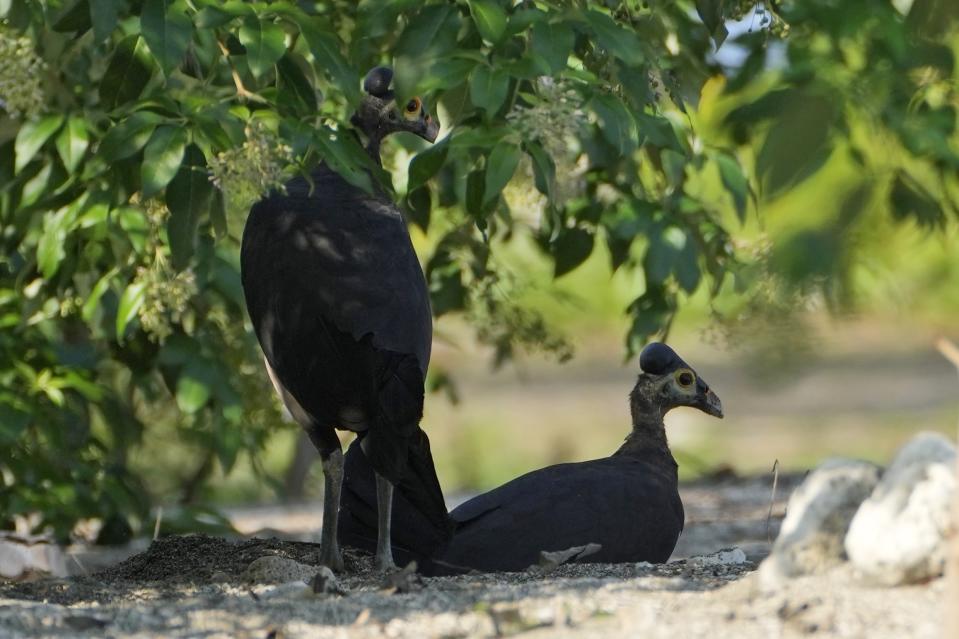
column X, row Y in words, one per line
column 899, row 534
column 273, row 569
column 817, row 517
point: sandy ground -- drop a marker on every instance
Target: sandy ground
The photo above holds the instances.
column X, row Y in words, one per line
column 199, row 586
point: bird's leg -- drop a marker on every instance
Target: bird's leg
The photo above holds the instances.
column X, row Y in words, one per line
column 384, row 507
column 333, row 483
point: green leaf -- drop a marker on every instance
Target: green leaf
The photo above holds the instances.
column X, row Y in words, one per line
column 161, row 158
column 488, row 88
column 127, row 74
column 93, row 299
column 432, row 30
column 908, row 199
column 474, row 196
column 36, row 186
column 345, row 156
column 265, row 44
column 617, row 123
column 544, row 170
column 129, row 136
column 672, row 252
column 443, row 73
column 620, row 42
column 419, row 202
column 218, row 213
column 50, row 248
column 326, row 50
column 75, row 17
column 193, row 386
column 31, row 137
column 447, row 292
column 686, row 268
column 650, row 312
column 426, row 164
column 500, row 166
column 735, row 182
column 294, row 90
column 658, row 131
column 130, row 303
column 522, row 18
column 490, row 19
column 72, row 142
column 187, row 196
column 212, row 17
column 103, row 15
column 797, row 141
column 711, row 13
column 571, row 248
column 553, row 42
column 167, row 30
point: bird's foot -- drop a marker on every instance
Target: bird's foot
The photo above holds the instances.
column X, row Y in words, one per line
column 385, row 562
column 332, row 558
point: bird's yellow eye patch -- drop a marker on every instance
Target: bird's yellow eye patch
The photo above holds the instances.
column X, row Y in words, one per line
column 685, row 378
column 412, row 109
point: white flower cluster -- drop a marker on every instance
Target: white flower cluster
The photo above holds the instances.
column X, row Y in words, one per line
column 555, row 116
column 166, row 293
column 554, row 120
column 20, row 70
column 246, row 173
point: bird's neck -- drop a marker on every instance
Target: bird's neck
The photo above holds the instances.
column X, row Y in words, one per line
column 649, row 430
column 373, row 148
column 646, row 437
column 368, row 132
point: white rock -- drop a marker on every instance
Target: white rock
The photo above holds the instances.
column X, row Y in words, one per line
column 18, row 558
column 899, row 533
column 724, row 557
column 817, row 517
column 287, row 590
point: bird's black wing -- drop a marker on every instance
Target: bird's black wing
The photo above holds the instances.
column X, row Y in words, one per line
column 325, row 249
column 631, row 507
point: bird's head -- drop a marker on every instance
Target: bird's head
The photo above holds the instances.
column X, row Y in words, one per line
column 379, row 115
column 667, row 382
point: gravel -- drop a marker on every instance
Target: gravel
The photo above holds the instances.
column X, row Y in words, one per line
column 199, row 586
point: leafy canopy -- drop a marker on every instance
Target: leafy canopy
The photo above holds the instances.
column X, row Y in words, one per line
column 137, row 133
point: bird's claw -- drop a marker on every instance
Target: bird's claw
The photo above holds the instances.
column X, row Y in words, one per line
column 332, row 558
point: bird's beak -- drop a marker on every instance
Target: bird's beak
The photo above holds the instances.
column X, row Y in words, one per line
column 432, row 129
column 709, row 403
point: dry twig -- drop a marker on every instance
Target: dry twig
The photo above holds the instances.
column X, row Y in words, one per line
column 772, row 499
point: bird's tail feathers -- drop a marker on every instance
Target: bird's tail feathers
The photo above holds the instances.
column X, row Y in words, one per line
column 420, row 522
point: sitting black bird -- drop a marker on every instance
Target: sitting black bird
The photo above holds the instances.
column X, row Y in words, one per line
column 628, row 503
column 341, row 310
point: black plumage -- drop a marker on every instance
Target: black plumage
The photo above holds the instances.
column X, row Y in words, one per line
column 341, row 310
column 628, row 503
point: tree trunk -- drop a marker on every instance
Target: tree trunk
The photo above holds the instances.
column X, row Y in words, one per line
column 303, row 457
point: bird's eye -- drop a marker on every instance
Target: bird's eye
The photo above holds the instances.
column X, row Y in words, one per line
column 685, row 379
column 412, row 108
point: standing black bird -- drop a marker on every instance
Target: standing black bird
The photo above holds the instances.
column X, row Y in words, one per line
column 628, row 503
column 341, row 310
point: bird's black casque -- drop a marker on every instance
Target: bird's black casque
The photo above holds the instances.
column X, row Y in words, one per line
column 341, row 310
column 628, row 503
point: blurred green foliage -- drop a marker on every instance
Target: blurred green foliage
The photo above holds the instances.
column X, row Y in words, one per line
column 135, row 135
